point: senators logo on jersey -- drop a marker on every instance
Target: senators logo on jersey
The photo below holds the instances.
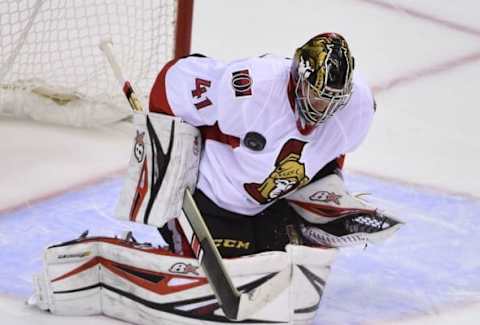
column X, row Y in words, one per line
column 289, row 173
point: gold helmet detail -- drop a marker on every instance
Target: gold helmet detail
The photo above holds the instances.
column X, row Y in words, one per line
column 322, row 75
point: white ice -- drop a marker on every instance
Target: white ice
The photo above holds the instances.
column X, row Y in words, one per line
column 420, row 159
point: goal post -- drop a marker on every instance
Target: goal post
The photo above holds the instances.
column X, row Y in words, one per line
column 183, row 28
column 51, row 69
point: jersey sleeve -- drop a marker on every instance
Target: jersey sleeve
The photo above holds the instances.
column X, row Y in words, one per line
column 207, row 92
column 188, row 88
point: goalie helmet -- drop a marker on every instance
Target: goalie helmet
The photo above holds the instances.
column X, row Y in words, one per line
column 321, row 73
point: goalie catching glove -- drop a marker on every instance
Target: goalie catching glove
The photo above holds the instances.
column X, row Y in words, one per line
column 335, row 218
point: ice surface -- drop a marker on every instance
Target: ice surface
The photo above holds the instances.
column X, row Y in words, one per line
column 420, row 160
column 431, row 264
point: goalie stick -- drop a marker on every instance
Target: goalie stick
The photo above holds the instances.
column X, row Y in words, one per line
column 236, row 305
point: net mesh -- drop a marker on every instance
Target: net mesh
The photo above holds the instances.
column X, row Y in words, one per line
column 51, row 64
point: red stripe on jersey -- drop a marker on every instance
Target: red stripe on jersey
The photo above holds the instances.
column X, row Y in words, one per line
column 158, row 95
column 212, row 132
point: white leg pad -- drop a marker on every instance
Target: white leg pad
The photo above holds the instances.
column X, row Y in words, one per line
column 145, row 285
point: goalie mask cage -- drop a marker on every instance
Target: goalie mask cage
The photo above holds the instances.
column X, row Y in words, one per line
column 52, row 70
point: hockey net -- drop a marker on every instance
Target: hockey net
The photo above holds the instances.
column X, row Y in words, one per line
column 52, row 70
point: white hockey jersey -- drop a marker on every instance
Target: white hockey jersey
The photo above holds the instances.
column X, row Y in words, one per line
column 253, row 152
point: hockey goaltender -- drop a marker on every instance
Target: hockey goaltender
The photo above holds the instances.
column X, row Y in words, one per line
column 260, row 143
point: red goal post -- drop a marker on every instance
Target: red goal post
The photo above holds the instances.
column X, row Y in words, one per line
column 52, row 70
column 183, row 37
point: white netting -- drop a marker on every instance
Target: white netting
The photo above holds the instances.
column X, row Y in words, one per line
column 51, row 68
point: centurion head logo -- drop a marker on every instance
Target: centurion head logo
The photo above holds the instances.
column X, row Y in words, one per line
column 139, row 147
column 287, row 175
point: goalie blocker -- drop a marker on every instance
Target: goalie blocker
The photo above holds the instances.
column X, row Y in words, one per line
column 138, row 283
column 163, row 164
